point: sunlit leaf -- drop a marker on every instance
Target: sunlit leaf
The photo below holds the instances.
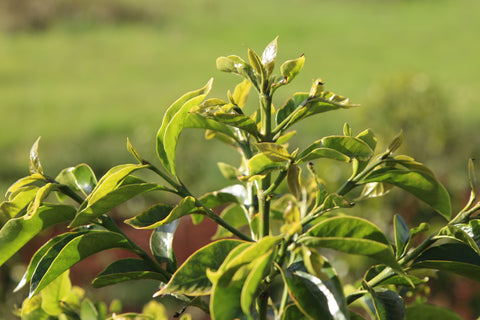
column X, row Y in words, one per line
column 80, row 179
column 291, row 68
column 191, row 277
column 17, row 232
column 463, row 233
column 35, row 164
column 349, row 146
column 274, row 151
column 55, row 292
column 240, row 94
column 256, row 63
column 235, row 216
column 161, row 244
column 261, row 164
column 351, row 235
column 293, row 180
column 59, row 259
column 418, row 183
column 269, row 56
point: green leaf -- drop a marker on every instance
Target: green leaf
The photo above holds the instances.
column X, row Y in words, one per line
column 402, row 234
column 32, row 309
column 418, row 183
column 292, row 312
column 229, row 116
column 35, row 164
column 293, row 180
column 369, row 138
column 323, row 153
column 261, row 164
column 274, row 151
column 240, row 94
column 80, row 179
column 453, row 257
column 59, row 259
column 256, row 63
column 88, row 311
column 395, row 279
column 317, row 298
column 34, row 180
column 353, row 148
column 228, row 171
column 386, row 305
column 161, row 214
column 161, row 245
column 197, row 121
column 269, row 56
column 252, row 285
column 285, row 111
column 173, row 124
column 351, row 235
column 429, row 312
column 17, row 232
column 235, row 216
column 191, row 277
column 291, row 68
column 95, row 209
column 128, row 269
column 134, row 151
column 463, row 233
column 226, row 65
column 17, row 204
column 55, row 292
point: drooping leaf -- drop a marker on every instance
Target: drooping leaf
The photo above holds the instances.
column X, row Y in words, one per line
column 59, row 259
column 351, row 235
column 429, row 312
column 17, row 232
column 161, row 244
column 316, row 297
column 402, row 234
column 456, row 257
column 128, row 269
column 173, row 123
column 161, row 214
column 386, row 305
column 419, row 184
column 352, row 147
column 191, row 277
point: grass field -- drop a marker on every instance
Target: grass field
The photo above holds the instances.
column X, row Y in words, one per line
column 85, row 88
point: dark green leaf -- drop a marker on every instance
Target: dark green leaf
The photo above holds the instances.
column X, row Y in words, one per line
column 128, row 269
column 17, row 232
column 285, row 111
column 429, row 312
column 453, row 257
column 351, row 235
column 191, row 277
column 293, row 313
column 386, row 305
column 59, row 259
column 402, row 234
column 161, row 245
column 161, row 214
column 419, row 184
column 461, row 232
column 396, row 280
column 173, row 123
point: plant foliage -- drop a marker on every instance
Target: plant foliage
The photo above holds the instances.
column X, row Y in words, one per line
column 278, row 210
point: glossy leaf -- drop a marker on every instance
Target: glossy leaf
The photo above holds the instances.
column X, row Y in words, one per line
column 95, row 208
column 386, row 305
column 34, row 180
column 256, row 63
column 291, row 68
column 240, row 94
column 402, row 234
column 191, row 277
column 419, row 184
column 173, row 124
column 252, row 285
column 349, row 146
column 463, row 233
column 375, row 190
column 317, row 298
column 55, row 292
column 80, row 179
column 269, row 56
column 35, row 164
column 351, row 235
column 453, row 257
column 57, row 260
column 128, row 269
column 161, row 214
column 261, row 164
column 161, row 244
column 17, row 203
column 17, row 232
column 429, row 312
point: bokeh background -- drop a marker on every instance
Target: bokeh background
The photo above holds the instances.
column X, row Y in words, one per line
column 84, row 75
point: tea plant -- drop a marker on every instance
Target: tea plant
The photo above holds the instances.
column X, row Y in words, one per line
column 275, row 219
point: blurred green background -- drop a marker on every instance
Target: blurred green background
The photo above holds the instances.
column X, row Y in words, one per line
column 85, row 75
